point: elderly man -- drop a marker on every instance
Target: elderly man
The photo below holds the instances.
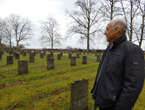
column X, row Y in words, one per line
column 121, row 74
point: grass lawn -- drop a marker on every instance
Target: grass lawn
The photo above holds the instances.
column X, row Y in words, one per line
column 43, row 89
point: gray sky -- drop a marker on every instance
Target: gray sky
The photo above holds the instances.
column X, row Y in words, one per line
column 39, row 10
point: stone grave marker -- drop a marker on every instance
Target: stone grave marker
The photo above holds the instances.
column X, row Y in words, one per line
column 50, row 63
column 10, row 60
column 78, row 55
column 32, row 58
column 41, row 55
column 84, row 61
column 22, row 67
column 17, row 56
column 69, row 55
column 59, row 56
column 79, row 95
column 49, row 56
column 1, row 54
column 73, row 61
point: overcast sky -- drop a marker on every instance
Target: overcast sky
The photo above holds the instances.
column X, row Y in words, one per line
column 39, row 10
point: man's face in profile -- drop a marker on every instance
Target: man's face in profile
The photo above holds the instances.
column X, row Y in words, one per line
column 111, row 33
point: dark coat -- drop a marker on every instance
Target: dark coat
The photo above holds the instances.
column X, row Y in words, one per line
column 120, row 76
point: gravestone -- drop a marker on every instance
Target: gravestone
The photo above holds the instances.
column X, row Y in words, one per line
column 24, row 53
column 10, row 60
column 73, row 61
column 49, row 56
column 32, row 58
column 22, row 67
column 69, row 55
column 41, row 55
column 17, row 56
column 84, row 61
column 10, row 52
column 51, row 53
column 98, row 58
column 78, row 56
column 1, row 54
column 50, row 63
column 59, row 56
column 79, row 95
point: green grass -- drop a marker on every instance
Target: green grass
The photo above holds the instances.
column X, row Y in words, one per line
column 43, row 89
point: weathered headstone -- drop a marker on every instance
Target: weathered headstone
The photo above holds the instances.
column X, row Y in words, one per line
column 24, row 53
column 32, row 58
column 59, row 56
column 78, row 56
column 51, row 53
column 79, row 95
column 1, row 54
column 17, row 56
column 84, row 61
column 22, row 67
column 73, row 61
column 69, row 55
column 50, row 63
column 41, row 55
column 10, row 60
column 49, row 56
column 98, row 58
column 10, row 52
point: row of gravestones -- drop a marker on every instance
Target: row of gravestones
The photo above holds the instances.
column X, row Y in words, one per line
column 23, row 65
column 32, row 58
column 42, row 54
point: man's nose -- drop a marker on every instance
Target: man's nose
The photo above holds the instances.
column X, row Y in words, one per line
column 105, row 33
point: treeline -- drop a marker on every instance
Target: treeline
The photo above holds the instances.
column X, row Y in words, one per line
column 88, row 22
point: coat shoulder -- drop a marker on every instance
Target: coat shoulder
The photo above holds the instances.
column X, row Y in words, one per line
column 132, row 48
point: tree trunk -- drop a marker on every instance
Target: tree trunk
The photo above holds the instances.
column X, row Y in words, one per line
column 131, row 22
column 142, row 31
column 0, row 41
column 88, row 44
column 112, row 7
column 88, row 34
column 10, row 44
column 52, row 42
column 17, row 43
column 125, row 16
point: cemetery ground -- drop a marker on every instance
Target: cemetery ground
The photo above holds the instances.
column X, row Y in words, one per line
column 42, row 89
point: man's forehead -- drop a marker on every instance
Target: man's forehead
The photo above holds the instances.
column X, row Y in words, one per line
column 109, row 24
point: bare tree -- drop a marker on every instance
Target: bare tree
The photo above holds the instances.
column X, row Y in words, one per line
column 85, row 18
column 109, row 9
column 21, row 27
column 50, row 34
column 7, row 33
column 134, row 16
column 130, row 11
column 142, row 27
column 1, row 31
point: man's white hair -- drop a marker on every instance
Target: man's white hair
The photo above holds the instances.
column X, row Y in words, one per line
column 120, row 22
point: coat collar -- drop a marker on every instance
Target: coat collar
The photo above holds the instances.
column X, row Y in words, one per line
column 117, row 42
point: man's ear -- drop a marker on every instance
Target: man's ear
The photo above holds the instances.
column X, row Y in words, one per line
column 117, row 29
